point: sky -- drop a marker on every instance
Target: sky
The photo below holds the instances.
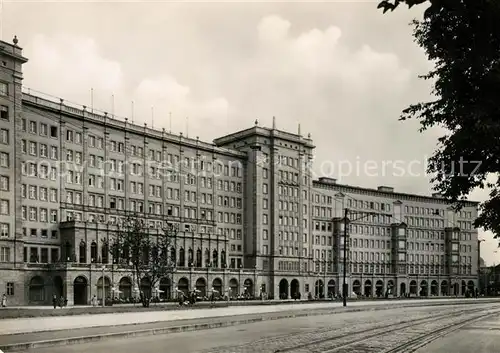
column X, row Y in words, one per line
column 340, row 69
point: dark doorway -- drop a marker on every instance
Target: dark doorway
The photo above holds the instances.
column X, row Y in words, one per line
column 283, row 294
column 58, row 286
column 80, row 291
column 295, row 289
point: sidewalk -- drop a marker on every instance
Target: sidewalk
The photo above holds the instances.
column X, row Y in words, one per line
column 29, row 341
column 30, row 325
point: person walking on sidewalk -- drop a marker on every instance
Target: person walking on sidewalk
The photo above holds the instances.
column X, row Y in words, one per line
column 54, row 301
column 94, row 300
column 4, row 301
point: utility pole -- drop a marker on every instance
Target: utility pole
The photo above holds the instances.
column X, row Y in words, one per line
column 344, row 285
column 103, row 294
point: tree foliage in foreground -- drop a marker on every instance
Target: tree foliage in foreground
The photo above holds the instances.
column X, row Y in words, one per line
column 146, row 249
column 462, row 38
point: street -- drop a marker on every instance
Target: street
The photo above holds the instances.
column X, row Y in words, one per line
column 364, row 331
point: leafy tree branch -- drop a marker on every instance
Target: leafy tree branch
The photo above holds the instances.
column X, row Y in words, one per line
column 462, row 38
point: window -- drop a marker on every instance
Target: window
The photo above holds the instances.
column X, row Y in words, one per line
column 10, row 288
column 4, row 159
column 4, row 112
column 53, row 131
column 4, row 207
column 4, row 89
column 4, row 254
column 4, row 183
column 4, row 230
column 4, row 136
column 33, row 127
column 43, row 129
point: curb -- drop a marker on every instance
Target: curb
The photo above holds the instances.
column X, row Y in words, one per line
column 205, row 326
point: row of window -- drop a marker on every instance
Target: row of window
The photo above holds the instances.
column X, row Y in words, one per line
column 154, row 155
column 35, row 214
column 44, row 233
column 42, row 255
column 44, row 129
column 42, row 150
column 369, row 205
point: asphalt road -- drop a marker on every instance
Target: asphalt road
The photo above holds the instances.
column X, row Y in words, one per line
column 479, row 337
column 372, row 331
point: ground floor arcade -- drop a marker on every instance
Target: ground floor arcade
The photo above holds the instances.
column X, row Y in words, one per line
column 79, row 285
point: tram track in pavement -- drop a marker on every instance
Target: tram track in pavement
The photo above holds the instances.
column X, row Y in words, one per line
column 333, row 338
column 414, row 334
column 424, row 339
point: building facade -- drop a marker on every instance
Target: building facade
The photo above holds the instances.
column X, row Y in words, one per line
column 249, row 216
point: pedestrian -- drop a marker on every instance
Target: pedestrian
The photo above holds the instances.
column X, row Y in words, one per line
column 94, row 300
column 4, row 301
column 212, row 298
column 54, row 301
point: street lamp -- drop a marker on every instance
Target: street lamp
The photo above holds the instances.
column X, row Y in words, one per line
column 344, row 275
column 239, row 279
column 103, row 296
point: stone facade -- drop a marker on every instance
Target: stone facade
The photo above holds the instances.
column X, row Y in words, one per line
column 249, row 215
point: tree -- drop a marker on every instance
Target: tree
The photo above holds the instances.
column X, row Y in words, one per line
column 147, row 250
column 462, row 38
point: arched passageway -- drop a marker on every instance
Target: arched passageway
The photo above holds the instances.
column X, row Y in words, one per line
column 471, row 287
column 183, row 286
column 295, row 289
column 434, row 288
column 368, row 288
column 145, row 287
column 283, row 288
column 424, row 290
column 248, row 287
column 36, row 290
column 391, row 289
column 103, row 287
column 165, row 288
column 125, row 288
column 201, row 287
column 379, row 288
column 331, row 289
column 233, row 288
column 356, row 287
column 80, row 286
column 58, row 286
column 319, row 290
column 217, row 286
column 402, row 289
column 413, row 288
column 444, row 288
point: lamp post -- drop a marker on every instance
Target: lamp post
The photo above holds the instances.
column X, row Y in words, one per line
column 103, row 296
column 239, row 280
column 254, row 281
column 344, row 274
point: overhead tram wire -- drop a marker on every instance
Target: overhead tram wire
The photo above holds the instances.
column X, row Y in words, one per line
column 144, row 156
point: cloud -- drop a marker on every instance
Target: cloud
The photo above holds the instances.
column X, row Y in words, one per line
column 72, row 67
column 69, row 66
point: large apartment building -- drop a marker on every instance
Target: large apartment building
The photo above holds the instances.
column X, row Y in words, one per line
column 250, row 217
